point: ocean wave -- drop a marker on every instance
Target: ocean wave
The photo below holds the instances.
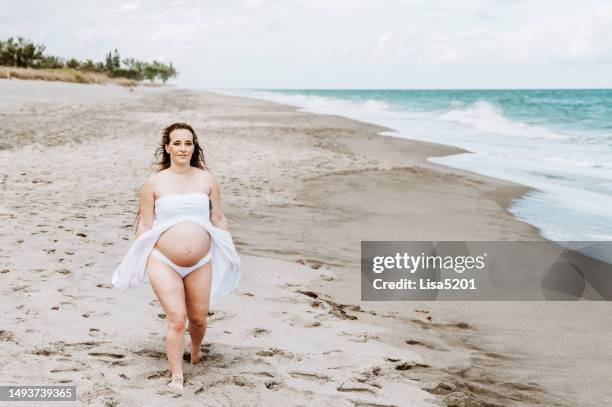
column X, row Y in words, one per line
column 486, row 117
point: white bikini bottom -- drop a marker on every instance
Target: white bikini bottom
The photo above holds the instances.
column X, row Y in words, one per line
column 183, row 271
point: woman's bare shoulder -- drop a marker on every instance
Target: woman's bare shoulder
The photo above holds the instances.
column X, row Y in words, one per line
column 153, row 180
column 155, row 177
column 206, row 173
column 208, row 178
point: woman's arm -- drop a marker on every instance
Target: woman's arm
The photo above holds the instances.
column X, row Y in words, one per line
column 147, row 208
column 217, row 218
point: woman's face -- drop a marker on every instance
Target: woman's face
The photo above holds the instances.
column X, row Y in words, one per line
column 181, row 146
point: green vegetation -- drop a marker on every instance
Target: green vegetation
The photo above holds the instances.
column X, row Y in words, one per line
column 22, row 53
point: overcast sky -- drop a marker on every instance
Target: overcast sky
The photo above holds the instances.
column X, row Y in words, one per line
column 336, row 43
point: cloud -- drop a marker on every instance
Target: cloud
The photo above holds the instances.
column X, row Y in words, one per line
column 127, row 7
column 290, row 42
column 275, row 26
column 255, row 3
column 583, row 39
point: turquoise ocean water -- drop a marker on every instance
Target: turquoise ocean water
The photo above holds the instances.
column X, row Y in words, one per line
column 558, row 142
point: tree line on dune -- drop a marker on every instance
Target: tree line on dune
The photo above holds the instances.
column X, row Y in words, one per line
column 23, row 53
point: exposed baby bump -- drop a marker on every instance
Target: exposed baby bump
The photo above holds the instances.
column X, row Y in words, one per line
column 185, row 243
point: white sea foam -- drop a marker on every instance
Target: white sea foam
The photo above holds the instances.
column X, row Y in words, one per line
column 487, row 118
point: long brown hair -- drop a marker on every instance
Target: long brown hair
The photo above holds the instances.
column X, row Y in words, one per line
column 163, row 158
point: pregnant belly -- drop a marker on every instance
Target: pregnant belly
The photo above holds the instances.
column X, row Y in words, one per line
column 184, row 243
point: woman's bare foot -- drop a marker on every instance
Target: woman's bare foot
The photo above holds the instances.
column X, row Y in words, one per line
column 196, row 355
column 176, row 383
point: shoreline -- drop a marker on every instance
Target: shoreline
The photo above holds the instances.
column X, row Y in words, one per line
column 404, row 152
column 403, row 164
column 299, row 192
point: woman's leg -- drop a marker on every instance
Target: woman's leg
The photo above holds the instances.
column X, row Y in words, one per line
column 197, row 299
column 168, row 287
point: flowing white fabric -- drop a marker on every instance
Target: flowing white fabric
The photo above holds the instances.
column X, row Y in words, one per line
column 169, row 211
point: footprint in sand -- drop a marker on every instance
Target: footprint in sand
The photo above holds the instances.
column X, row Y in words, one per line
column 107, row 355
column 273, row 385
column 159, row 374
column 369, row 377
column 7, row 336
column 82, row 345
column 361, row 338
column 259, row 332
column 297, row 320
column 70, row 369
column 100, row 393
column 318, row 377
column 356, row 387
column 441, row 389
column 495, row 355
column 44, row 352
column 427, row 324
column 413, row 342
column 94, row 332
column 410, row 365
column 274, row 352
column 234, row 381
column 216, row 316
column 22, row 288
column 336, row 309
column 264, row 373
column 151, row 353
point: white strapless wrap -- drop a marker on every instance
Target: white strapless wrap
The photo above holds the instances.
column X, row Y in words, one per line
column 169, row 211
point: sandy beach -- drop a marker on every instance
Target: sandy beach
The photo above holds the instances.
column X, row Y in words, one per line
column 300, row 192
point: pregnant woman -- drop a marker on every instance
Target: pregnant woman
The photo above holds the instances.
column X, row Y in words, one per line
column 182, row 245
